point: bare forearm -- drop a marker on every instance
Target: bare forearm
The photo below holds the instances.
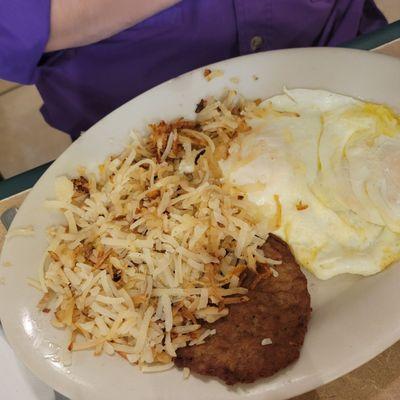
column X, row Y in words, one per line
column 81, row 22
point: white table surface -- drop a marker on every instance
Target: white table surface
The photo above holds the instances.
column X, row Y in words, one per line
column 16, row 381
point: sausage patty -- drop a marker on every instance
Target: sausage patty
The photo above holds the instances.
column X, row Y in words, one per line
column 278, row 309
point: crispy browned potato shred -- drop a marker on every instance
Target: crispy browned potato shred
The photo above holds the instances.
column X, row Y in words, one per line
column 154, row 244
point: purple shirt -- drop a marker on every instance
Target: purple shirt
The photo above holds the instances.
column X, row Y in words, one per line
column 79, row 86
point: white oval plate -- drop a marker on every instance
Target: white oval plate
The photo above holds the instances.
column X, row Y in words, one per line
column 353, row 319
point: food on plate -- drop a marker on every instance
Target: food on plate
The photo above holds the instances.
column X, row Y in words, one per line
column 263, row 335
column 155, row 243
column 325, row 169
column 175, row 248
column 211, row 74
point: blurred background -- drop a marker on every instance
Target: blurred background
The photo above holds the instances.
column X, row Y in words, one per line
column 26, row 141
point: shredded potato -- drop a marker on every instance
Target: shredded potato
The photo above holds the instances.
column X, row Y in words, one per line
column 26, row 231
column 153, row 247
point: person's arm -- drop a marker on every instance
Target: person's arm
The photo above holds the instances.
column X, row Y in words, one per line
column 76, row 23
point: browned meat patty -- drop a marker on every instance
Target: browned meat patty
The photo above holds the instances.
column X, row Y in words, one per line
column 279, row 309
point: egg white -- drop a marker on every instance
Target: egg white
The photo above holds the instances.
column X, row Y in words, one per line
column 325, row 169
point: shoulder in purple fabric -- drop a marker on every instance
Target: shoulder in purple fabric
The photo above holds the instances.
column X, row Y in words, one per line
column 80, row 86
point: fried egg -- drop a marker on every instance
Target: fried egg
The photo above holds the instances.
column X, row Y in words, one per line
column 325, row 170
